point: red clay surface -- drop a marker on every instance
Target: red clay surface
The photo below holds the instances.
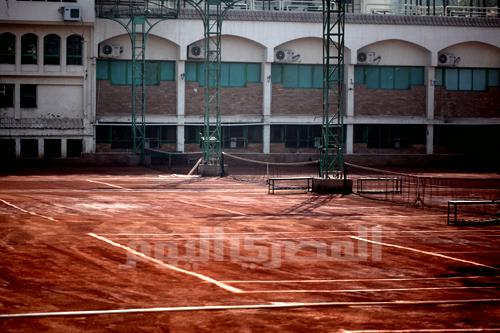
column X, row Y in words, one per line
column 68, row 245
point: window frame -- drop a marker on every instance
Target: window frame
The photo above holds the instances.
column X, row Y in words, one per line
column 8, row 48
column 8, row 104
column 51, row 55
column 25, row 54
column 28, row 104
column 74, row 44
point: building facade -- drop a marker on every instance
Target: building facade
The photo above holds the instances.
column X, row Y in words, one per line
column 415, row 84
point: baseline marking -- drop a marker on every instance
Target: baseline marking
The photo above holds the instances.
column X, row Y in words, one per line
column 426, row 330
column 107, row 184
column 164, row 265
column 27, row 211
column 206, row 206
column 244, row 306
column 299, row 291
column 424, row 252
column 358, row 280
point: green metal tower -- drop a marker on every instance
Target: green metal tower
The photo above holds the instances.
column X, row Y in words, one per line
column 332, row 137
column 138, row 18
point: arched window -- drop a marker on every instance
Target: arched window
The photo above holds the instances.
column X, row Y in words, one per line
column 74, row 49
column 52, row 50
column 7, row 48
column 29, row 49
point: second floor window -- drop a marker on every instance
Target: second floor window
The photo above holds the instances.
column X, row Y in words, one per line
column 74, row 50
column 7, row 48
column 29, row 49
column 52, row 50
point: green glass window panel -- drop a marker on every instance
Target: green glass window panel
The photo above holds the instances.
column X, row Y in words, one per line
column 118, row 72
column 359, row 74
column 401, row 78
column 167, row 71
column 200, row 74
column 152, row 73
column 253, row 73
column 334, row 74
column 387, row 77
column 417, row 76
column 290, row 76
column 190, row 71
column 305, row 76
column 372, row 76
column 439, row 77
column 102, row 70
column 451, row 78
column 317, row 76
column 479, row 79
column 237, row 77
column 465, row 79
column 493, row 77
column 138, row 70
column 277, row 73
column 224, row 75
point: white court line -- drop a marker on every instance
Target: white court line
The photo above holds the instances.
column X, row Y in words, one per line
column 273, row 305
column 334, row 291
column 424, row 252
column 107, row 184
column 358, row 280
column 27, row 211
column 211, row 207
column 164, row 265
column 426, row 330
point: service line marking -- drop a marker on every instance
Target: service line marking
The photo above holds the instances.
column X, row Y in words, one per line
column 164, row 265
column 424, row 252
column 107, row 184
column 27, row 211
column 358, row 280
column 273, row 305
column 426, row 330
column 211, row 207
column 298, row 291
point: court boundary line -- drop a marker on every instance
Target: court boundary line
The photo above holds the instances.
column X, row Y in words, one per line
column 27, row 211
column 358, row 280
column 165, row 265
column 271, row 305
column 424, row 252
column 108, row 184
column 340, row 291
column 425, row 330
column 210, row 207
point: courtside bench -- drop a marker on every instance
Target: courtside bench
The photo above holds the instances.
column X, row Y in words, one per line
column 453, row 211
column 291, row 184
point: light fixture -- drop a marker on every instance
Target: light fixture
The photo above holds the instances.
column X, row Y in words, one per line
column 183, row 75
column 268, row 78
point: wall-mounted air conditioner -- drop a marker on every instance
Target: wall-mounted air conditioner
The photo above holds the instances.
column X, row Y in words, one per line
column 286, row 55
column 196, row 52
column 110, row 50
column 447, row 60
column 368, row 58
column 72, row 13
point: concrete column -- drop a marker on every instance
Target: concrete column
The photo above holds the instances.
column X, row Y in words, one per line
column 350, row 91
column 17, row 101
column 88, row 145
column 349, row 139
column 62, row 61
column 181, row 102
column 429, row 142
column 431, row 80
column 18, row 53
column 40, row 148
column 266, row 107
column 64, row 148
column 40, row 55
column 18, row 147
column 180, row 138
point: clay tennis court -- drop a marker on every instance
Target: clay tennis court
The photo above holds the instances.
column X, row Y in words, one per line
column 135, row 250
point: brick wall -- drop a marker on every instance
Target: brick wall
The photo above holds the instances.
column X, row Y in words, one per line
column 234, row 101
column 361, row 148
column 281, row 149
column 466, row 103
column 116, row 100
column 385, row 102
column 288, row 101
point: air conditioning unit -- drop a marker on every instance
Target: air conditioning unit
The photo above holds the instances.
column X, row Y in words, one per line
column 110, row 50
column 233, row 143
column 72, row 13
column 286, row 55
column 368, row 58
column 196, row 52
column 447, row 59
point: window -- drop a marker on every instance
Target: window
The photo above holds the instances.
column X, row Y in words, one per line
column 74, row 147
column 389, row 136
column 74, row 50
column 299, row 76
column 233, row 75
column 29, row 148
column 6, row 95
column 120, row 72
column 296, row 136
column 7, row 48
column 192, row 134
column 28, row 96
column 467, row 79
column 51, row 50
column 389, row 77
column 29, row 49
